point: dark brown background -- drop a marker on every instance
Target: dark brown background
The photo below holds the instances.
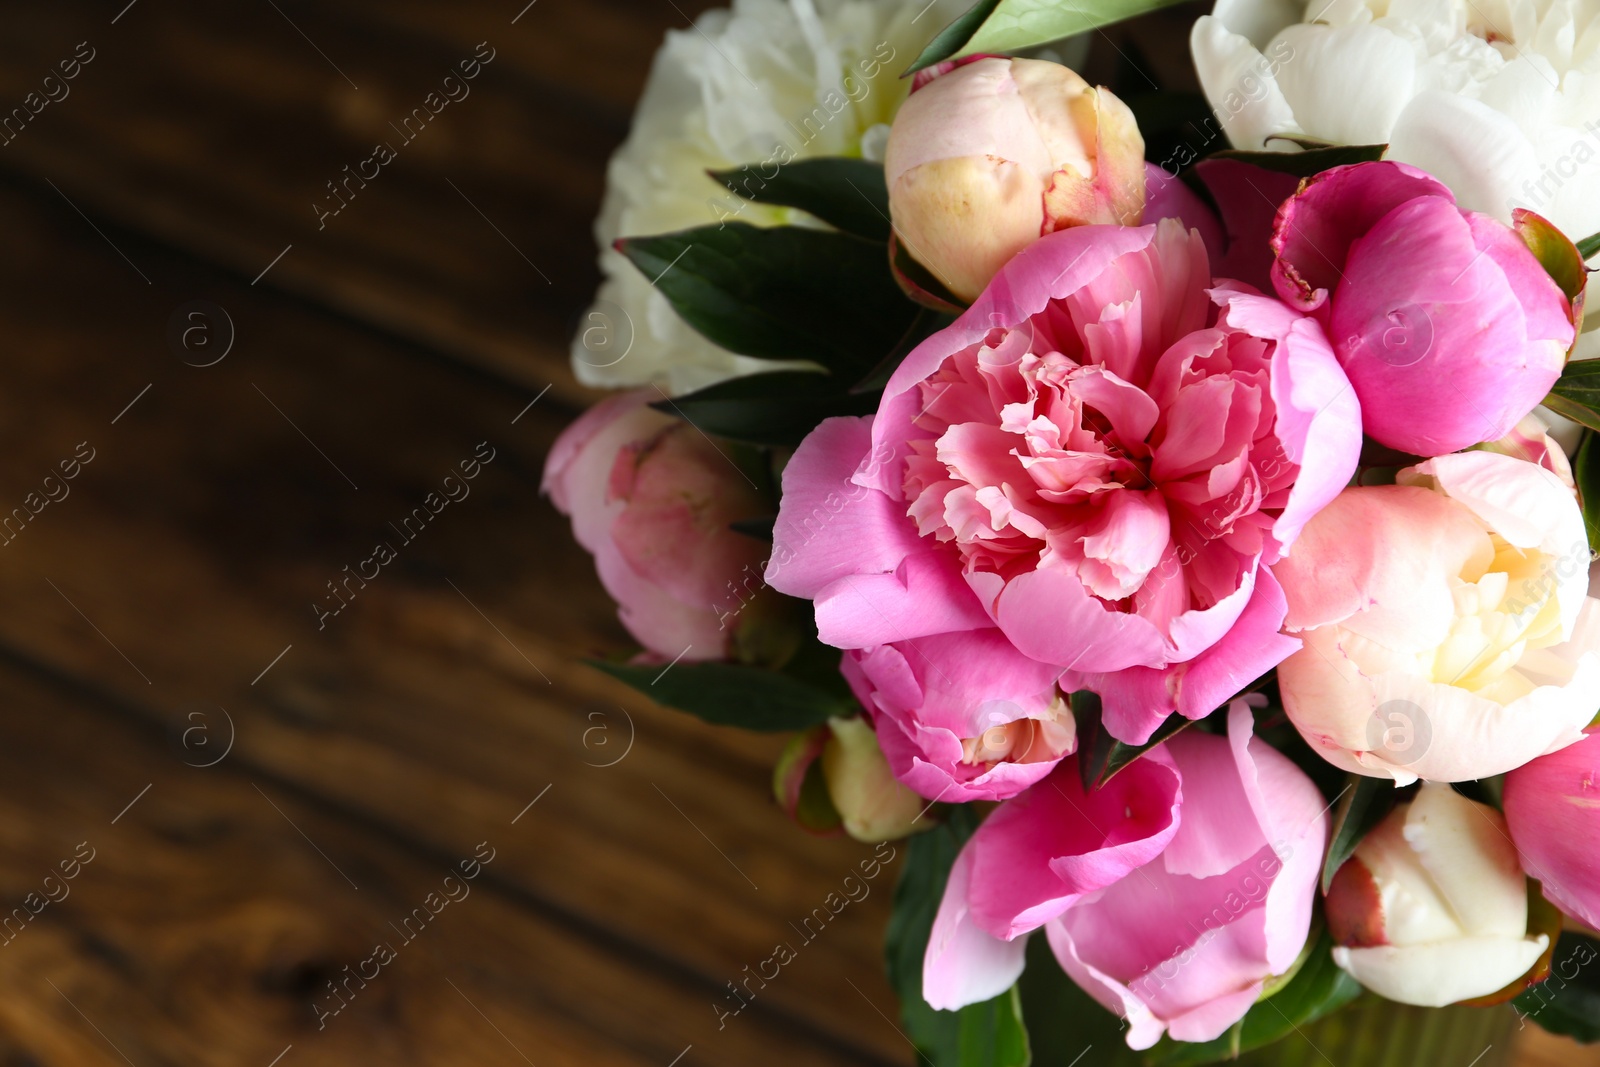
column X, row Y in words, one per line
column 164, row 606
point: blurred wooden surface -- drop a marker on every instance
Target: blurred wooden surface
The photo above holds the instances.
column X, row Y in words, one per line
column 267, row 800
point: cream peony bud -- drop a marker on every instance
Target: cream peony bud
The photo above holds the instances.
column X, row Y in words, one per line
column 985, row 159
column 1432, row 908
column 873, row 804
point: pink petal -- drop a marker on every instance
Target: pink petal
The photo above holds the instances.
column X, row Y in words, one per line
column 1167, row 196
column 1314, row 229
column 829, row 528
column 924, row 595
column 963, row 964
column 1049, row 846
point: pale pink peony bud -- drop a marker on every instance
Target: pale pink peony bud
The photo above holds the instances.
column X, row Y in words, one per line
column 987, row 158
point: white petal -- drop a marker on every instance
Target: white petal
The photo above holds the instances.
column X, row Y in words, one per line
column 1347, row 84
column 1240, row 84
column 1259, row 20
column 1468, row 853
column 1431, row 976
column 1479, row 153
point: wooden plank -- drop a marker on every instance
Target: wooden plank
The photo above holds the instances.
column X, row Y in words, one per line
column 211, row 908
column 192, row 546
column 218, row 129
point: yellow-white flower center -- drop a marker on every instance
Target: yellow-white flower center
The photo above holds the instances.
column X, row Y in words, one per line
column 1501, row 614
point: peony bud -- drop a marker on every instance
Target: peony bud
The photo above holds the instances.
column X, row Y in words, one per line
column 1448, row 326
column 653, row 499
column 1432, row 908
column 874, row 806
column 985, row 159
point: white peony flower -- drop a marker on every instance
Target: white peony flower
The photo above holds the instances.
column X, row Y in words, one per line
column 763, row 83
column 1499, row 99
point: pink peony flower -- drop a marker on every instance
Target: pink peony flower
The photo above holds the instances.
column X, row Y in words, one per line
column 1448, row 634
column 963, row 716
column 1096, row 458
column 1448, row 326
column 651, row 499
column 1553, row 808
column 1035, row 857
column 1170, row 897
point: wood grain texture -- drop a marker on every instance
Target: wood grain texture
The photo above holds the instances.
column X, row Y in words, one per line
column 448, row 693
column 421, row 719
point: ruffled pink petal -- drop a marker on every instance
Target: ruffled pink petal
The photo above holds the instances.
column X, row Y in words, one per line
column 1050, row 617
column 1048, row 847
column 927, row 695
column 1318, row 415
column 1250, row 649
column 1051, row 268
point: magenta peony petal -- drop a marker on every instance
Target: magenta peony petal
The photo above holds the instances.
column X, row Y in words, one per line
column 1248, row 198
column 1166, row 196
column 1314, row 229
column 1185, row 943
column 1553, row 808
column 1047, row 848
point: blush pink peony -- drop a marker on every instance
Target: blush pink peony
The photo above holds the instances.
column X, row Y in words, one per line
column 651, row 499
column 1097, row 458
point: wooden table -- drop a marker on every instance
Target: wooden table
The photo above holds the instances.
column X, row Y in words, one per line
column 266, row 792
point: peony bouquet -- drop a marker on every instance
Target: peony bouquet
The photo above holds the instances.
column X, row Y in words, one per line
column 1172, row 512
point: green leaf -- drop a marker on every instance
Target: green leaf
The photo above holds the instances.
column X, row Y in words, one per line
column 1576, row 393
column 990, row 1034
column 1099, row 754
column 1320, row 987
column 847, row 193
column 1589, row 246
column 1586, row 472
column 950, row 39
column 1568, row 1002
column 1305, row 164
column 927, row 323
column 1011, row 25
column 732, row 694
column 780, row 292
column 777, row 408
column 1367, row 801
